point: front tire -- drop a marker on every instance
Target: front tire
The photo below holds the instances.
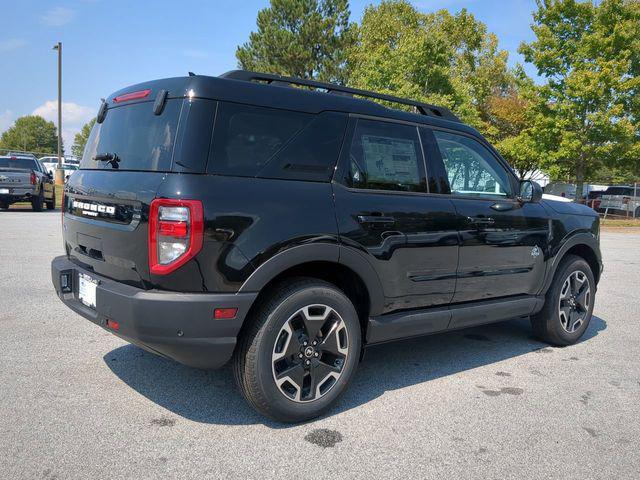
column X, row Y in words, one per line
column 299, row 351
column 568, row 304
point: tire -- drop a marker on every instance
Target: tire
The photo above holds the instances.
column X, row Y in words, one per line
column 51, row 204
column 311, row 377
column 4, row 205
column 38, row 202
column 563, row 323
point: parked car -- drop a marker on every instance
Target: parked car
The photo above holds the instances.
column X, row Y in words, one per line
column 24, row 179
column 621, row 200
column 69, row 168
column 285, row 229
column 51, row 165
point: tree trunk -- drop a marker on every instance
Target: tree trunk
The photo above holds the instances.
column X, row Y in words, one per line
column 579, row 180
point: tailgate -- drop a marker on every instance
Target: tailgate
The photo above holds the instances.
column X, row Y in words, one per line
column 105, row 222
column 10, row 178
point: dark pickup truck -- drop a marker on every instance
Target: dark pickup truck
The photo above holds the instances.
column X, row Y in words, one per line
column 24, row 179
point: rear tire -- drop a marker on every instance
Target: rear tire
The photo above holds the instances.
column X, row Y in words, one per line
column 4, row 205
column 38, row 202
column 51, row 204
column 279, row 369
column 568, row 304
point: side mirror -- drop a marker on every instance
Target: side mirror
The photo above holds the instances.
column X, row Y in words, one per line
column 530, row 192
column 49, row 175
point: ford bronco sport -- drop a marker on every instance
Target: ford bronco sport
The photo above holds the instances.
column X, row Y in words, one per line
column 244, row 218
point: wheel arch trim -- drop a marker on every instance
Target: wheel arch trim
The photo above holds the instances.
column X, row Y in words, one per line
column 568, row 242
column 319, row 252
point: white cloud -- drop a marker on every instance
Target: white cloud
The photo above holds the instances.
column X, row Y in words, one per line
column 6, row 120
column 58, row 16
column 12, row 44
column 74, row 116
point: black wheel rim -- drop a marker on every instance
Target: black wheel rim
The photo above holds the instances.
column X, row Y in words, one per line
column 310, row 353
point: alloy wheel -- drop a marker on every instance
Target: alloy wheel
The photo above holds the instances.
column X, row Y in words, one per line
column 575, row 298
column 310, row 353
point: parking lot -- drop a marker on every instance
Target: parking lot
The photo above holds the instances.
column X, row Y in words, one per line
column 487, row 402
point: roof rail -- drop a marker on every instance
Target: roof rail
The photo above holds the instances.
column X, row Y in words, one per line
column 423, row 108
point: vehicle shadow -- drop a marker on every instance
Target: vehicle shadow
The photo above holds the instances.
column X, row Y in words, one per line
column 28, row 209
column 212, row 396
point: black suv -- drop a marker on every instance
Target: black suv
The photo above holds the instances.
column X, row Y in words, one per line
column 287, row 224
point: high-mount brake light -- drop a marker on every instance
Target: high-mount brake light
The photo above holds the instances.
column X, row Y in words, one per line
column 176, row 231
column 126, row 97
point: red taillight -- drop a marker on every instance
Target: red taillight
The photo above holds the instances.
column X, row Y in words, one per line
column 112, row 324
column 225, row 313
column 132, row 96
column 173, row 229
column 33, row 179
column 176, row 230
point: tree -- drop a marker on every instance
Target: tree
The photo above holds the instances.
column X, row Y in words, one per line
column 301, row 38
column 80, row 140
column 31, row 133
column 589, row 109
column 440, row 58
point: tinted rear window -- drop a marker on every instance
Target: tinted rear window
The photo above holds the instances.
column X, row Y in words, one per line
column 142, row 140
column 246, row 137
column 24, row 163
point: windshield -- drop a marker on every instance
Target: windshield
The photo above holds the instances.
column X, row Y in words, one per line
column 139, row 139
column 23, row 163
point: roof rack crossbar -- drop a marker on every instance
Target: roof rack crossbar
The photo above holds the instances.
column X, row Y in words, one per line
column 422, row 108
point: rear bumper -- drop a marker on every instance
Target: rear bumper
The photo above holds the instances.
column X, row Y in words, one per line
column 179, row 326
column 17, row 194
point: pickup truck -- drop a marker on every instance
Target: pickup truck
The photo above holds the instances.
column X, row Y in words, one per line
column 24, row 179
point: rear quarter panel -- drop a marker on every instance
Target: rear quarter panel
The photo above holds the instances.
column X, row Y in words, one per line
column 247, row 222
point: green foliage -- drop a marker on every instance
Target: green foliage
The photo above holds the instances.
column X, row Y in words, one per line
column 301, row 38
column 31, row 133
column 80, row 140
column 587, row 113
column 439, row 58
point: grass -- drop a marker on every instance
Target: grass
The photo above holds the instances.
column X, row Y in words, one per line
column 616, row 223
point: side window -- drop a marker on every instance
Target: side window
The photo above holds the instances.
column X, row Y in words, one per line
column 246, row 137
column 471, row 168
column 312, row 154
column 386, row 156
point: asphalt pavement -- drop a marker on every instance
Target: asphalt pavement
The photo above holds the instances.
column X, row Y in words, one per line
column 487, row 402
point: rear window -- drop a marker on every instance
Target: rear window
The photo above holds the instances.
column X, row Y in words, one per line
column 23, row 163
column 140, row 139
column 246, row 137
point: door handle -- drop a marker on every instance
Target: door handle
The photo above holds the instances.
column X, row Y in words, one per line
column 481, row 220
column 375, row 219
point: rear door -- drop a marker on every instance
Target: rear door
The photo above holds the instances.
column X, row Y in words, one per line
column 107, row 203
column 503, row 242
column 384, row 210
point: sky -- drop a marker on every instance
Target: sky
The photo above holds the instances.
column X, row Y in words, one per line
column 109, row 44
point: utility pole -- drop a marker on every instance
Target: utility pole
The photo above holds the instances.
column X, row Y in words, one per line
column 59, row 171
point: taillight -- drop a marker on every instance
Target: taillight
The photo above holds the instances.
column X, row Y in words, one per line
column 176, row 230
column 33, row 178
column 127, row 97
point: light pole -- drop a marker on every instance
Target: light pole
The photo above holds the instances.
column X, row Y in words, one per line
column 59, row 171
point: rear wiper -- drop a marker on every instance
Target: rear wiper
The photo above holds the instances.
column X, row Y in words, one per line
column 110, row 158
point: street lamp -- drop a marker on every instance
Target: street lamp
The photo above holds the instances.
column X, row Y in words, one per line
column 59, row 171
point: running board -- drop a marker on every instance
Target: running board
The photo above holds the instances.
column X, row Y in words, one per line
column 396, row 326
